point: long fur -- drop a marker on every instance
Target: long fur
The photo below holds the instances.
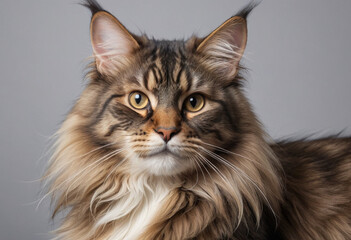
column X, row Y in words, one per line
column 230, row 181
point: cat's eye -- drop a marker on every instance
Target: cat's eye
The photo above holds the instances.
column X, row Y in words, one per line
column 138, row 100
column 194, row 103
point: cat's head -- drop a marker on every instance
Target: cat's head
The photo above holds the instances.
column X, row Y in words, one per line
column 162, row 105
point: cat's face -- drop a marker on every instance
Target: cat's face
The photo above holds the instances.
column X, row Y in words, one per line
column 163, row 104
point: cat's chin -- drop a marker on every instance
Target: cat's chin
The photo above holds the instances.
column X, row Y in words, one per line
column 164, row 163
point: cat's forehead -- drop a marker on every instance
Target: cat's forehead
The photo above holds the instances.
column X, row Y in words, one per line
column 168, row 67
column 166, row 48
column 167, row 55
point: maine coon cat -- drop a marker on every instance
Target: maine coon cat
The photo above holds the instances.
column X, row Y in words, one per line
column 163, row 144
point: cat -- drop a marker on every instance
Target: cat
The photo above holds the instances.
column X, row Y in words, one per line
column 163, row 144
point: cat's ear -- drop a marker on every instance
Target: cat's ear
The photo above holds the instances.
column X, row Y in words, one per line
column 112, row 43
column 222, row 50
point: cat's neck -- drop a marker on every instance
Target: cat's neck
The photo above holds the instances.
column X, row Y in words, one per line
column 135, row 205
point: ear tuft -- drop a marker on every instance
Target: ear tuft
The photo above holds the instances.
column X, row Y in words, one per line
column 93, row 5
column 245, row 11
column 112, row 44
column 222, row 50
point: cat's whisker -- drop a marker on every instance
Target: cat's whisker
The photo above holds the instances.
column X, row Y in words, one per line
column 213, row 167
column 235, row 168
column 204, row 166
column 240, row 214
column 225, row 180
column 79, row 157
column 197, row 160
column 114, row 169
column 49, row 175
column 240, row 172
column 229, row 164
column 230, row 152
column 197, row 172
column 99, row 148
column 98, row 161
column 238, row 155
column 197, row 175
column 202, row 162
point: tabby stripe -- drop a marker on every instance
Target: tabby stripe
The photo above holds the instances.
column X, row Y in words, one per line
column 166, row 71
column 159, row 73
column 181, row 64
column 179, row 73
column 134, row 80
column 146, row 79
column 107, row 102
column 158, row 77
column 189, row 79
column 205, row 130
column 122, row 125
column 155, row 75
column 215, row 131
column 182, row 56
column 111, row 130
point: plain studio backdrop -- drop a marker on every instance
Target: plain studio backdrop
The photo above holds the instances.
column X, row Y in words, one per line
column 299, row 83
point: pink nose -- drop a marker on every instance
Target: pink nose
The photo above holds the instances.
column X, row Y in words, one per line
column 167, row 132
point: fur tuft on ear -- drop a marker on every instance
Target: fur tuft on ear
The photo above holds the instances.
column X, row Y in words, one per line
column 93, row 5
column 245, row 11
column 112, row 44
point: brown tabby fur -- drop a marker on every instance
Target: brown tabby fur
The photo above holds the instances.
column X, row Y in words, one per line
column 249, row 187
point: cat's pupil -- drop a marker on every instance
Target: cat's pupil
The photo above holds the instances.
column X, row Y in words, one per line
column 193, row 102
column 137, row 98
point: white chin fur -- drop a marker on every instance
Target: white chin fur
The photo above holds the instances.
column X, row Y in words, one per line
column 164, row 163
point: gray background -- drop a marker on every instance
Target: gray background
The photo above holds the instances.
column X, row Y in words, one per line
column 299, row 83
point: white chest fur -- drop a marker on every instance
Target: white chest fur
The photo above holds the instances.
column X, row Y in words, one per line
column 136, row 205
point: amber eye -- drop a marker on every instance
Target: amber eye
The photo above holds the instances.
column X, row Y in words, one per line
column 194, row 103
column 138, row 100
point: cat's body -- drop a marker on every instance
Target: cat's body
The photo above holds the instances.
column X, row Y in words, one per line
column 317, row 194
column 163, row 144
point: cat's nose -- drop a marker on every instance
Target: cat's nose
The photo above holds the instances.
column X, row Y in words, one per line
column 167, row 132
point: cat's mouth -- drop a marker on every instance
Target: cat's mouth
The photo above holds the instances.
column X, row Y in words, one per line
column 165, row 151
column 165, row 161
